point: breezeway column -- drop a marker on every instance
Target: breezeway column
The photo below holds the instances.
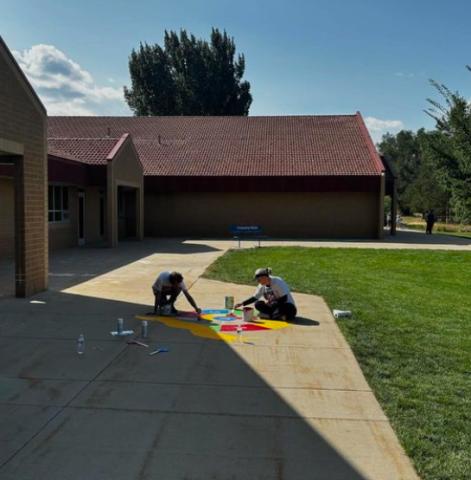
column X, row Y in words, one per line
column 382, row 191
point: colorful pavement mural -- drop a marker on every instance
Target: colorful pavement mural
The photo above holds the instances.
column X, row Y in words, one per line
column 219, row 324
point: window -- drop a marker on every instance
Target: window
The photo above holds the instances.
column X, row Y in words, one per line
column 58, row 204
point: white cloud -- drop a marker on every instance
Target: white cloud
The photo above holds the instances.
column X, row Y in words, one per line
column 404, row 75
column 378, row 127
column 64, row 86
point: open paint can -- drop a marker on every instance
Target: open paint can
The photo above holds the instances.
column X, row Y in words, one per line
column 248, row 314
column 229, row 303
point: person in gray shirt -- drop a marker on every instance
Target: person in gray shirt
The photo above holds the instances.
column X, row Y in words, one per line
column 278, row 303
column 167, row 287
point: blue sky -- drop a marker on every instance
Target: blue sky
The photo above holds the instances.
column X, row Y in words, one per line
column 302, row 57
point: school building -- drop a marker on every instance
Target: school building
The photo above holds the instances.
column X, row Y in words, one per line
column 68, row 181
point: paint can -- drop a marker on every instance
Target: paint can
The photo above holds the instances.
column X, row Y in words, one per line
column 119, row 326
column 229, row 303
column 248, row 314
column 144, row 329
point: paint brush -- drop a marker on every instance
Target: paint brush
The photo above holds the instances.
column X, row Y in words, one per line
column 137, row 342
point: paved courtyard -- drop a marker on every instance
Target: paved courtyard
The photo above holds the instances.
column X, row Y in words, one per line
column 286, row 404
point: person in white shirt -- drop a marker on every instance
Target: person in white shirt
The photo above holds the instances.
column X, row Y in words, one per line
column 167, row 287
column 278, row 302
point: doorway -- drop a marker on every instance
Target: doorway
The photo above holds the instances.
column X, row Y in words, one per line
column 127, row 212
column 7, row 226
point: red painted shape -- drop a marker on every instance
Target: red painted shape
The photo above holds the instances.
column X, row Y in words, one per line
column 249, row 327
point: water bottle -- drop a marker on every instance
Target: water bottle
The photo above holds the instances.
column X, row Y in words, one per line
column 144, row 329
column 239, row 332
column 80, row 344
column 120, row 326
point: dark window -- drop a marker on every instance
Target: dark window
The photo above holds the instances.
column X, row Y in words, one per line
column 58, row 206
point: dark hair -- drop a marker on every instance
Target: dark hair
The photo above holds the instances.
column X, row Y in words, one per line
column 176, row 277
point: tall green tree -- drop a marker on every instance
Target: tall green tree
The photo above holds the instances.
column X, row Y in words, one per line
column 450, row 147
column 188, row 76
column 419, row 187
column 404, row 151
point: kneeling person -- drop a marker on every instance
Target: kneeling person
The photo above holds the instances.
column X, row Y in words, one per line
column 167, row 287
column 279, row 303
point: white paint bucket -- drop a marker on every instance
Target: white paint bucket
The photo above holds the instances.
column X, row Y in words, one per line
column 248, row 314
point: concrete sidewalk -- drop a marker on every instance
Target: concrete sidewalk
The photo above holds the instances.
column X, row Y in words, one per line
column 293, row 405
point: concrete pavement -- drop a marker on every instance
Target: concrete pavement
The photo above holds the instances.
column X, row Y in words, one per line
column 293, row 405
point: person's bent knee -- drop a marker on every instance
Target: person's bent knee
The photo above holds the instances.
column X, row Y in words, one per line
column 260, row 305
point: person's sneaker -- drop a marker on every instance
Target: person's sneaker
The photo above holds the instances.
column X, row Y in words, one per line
column 264, row 316
column 173, row 311
column 276, row 315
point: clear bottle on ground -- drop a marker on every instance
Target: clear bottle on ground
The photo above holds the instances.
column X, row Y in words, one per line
column 239, row 332
column 81, row 344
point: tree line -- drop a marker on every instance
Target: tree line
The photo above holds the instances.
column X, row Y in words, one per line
column 434, row 167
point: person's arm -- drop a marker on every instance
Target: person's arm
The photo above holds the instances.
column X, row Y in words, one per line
column 245, row 302
column 191, row 301
column 157, row 295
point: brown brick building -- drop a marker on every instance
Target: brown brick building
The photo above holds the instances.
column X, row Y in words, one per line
column 23, row 177
column 306, row 176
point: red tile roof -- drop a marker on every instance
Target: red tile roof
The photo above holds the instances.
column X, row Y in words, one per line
column 93, row 151
column 228, row 146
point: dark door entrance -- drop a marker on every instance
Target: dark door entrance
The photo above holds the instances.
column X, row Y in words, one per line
column 11, row 260
column 127, row 212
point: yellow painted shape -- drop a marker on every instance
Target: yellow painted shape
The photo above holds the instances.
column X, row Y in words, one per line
column 271, row 324
column 197, row 330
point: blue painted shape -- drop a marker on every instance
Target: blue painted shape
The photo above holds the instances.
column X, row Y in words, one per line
column 225, row 319
column 209, row 311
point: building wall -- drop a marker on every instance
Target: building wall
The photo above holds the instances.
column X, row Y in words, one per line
column 288, row 215
column 65, row 235
column 23, row 132
column 7, row 218
column 124, row 170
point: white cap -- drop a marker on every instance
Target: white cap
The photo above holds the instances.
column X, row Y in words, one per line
column 262, row 272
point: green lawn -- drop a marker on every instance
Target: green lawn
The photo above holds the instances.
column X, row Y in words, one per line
column 411, row 333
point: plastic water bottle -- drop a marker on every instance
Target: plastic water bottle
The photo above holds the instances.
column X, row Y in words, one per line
column 120, row 326
column 144, row 329
column 80, row 344
column 239, row 332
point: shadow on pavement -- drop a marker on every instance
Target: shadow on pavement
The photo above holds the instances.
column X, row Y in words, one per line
column 304, row 321
column 197, row 412
column 73, row 266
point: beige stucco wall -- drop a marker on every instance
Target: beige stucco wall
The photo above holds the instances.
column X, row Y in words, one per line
column 23, row 132
column 64, row 235
column 295, row 215
column 124, row 170
column 7, row 218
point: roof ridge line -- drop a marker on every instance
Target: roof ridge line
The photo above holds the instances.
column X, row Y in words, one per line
column 83, row 138
column 117, row 146
column 369, row 142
